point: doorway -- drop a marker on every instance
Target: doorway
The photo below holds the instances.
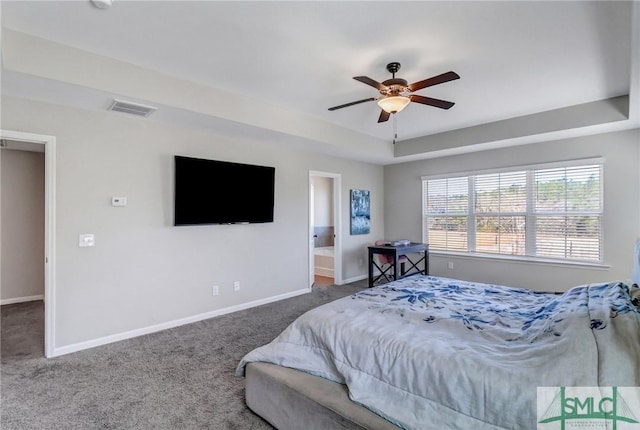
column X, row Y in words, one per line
column 29, row 141
column 325, row 250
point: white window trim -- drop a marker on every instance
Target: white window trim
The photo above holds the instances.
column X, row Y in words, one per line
column 520, row 258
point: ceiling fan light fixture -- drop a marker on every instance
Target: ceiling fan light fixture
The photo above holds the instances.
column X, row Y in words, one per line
column 393, row 104
column 101, row 4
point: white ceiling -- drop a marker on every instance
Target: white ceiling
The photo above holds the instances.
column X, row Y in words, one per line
column 515, row 58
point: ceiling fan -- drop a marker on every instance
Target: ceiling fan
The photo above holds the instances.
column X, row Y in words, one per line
column 396, row 93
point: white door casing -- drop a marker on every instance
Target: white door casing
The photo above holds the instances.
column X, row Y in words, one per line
column 49, row 143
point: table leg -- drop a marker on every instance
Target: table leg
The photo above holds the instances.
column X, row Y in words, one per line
column 370, row 269
column 395, row 265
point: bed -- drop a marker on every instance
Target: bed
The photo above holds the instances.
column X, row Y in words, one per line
column 428, row 352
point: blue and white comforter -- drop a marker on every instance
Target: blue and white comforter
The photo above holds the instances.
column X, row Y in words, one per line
column 436, row 353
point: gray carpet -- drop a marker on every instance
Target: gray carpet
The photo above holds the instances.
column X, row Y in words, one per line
column 182, row 378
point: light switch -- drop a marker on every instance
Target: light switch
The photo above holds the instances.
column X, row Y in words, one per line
column 118, row 201
column 86, row 240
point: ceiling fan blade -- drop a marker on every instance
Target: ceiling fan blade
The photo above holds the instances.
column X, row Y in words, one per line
column 445, row 77
column 384, row 115
column 369, row 81
column 442, row 104
column 352, row 103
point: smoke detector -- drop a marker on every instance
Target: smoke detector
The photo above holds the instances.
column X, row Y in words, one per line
column 102, row 4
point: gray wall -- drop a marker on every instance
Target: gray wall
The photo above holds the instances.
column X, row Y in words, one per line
column 621, row 153
column 143, row 271
column 323, row 202
column 21, row 225
column 323, row 225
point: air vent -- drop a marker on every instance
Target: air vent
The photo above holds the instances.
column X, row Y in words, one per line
column 131, row 108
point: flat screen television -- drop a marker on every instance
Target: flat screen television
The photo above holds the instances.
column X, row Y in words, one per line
column 222, row 192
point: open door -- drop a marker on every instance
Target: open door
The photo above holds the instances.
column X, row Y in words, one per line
column 325, row 226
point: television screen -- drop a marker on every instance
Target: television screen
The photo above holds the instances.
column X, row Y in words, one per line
column 221, row 192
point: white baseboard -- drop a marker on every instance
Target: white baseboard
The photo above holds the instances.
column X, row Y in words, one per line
column 323, row 271
column 354, row 279
column 67, row 349
column 21, row 299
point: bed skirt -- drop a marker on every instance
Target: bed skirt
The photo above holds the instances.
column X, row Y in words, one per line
column 291, row 400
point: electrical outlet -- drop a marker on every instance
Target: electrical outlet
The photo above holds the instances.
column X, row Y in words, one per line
column 361, row 262
column 451, row 265
column 236, row 286
column 215, row 290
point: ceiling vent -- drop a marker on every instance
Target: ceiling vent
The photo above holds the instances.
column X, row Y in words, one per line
column 131, row 108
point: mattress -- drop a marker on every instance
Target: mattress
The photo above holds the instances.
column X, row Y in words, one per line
column 291, row 399
column 432, row 353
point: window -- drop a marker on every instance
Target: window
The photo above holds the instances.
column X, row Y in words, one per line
column 550, row 212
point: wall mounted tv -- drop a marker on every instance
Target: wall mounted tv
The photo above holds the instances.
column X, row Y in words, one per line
column 221, row 192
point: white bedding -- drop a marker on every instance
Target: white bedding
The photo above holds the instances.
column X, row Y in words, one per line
column 436, row 353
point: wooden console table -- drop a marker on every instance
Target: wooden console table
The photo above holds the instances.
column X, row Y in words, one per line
column 396, row 252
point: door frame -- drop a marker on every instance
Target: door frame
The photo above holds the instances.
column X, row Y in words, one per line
column 337, row 228
column 49, row 143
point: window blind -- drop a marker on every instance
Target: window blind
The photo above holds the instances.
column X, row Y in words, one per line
column 447, row 203
column 540, row 212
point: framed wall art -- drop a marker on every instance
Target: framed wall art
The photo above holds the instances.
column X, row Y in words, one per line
column 360, row 212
